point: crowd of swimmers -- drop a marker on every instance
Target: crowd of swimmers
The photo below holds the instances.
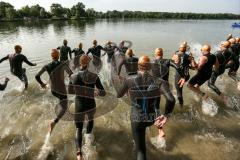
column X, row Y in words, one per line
column 145, row 82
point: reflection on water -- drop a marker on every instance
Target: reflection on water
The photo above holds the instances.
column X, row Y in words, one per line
column 191, row 135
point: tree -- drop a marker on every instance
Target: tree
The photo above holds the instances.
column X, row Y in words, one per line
column 24, row 11
column 35, row 11
column 90, row 13
column 10, row 13
column 5, row 7
column 57, row 10
column 78, row 10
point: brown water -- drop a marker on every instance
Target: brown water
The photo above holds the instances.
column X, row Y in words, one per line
column 191, row 135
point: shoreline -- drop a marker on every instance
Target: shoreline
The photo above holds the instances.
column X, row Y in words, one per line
column 85, row 19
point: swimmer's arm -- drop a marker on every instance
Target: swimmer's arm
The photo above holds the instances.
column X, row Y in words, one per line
column 71, row 89
column 28, row 62
column 123, row 90
column 38, row 76
column 100, row 88
column 216, row 65
column 4, row 58
column 193, row 64
column 201, row 63
column 70, row 53
column 68, row 70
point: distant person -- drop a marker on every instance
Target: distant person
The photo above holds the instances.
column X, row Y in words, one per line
column 78, row 52
column 110, row 49
column 223, row 56
column 185, row 62
column 122, row 48
column 16, row 61
column 95, row 50
column 130, row 63
column 143, row 90
column 204, row 71
column 4, row 85
column 65, row 51
column 85, row 85
column 55, row 70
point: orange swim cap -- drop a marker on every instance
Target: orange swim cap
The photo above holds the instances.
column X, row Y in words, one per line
column 84, row 60
column 144, row 63
column 159, row 52
column 55, row 54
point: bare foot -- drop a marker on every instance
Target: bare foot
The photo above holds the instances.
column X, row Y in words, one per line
column 161, row 133
column 79, row 156
column 51, row 126
column 205, row 97
column 225, row 99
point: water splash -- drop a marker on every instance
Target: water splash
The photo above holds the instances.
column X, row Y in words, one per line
column 159, row 143
column 209, row 107
column 46, row 148
column 238, row 86
column 89, row 150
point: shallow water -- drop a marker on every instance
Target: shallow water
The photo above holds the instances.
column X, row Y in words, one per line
column 191, row 135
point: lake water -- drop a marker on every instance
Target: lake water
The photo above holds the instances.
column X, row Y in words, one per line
column 24, row 116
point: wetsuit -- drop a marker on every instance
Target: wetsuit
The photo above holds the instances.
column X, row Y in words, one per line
column 223, row 57
column 64, row 51
column 16, row 61
column 235, row 58
column 83, row 84
column 205, row 72
column 110, row 51
column 3, row 86
column 131, row 65
column 77, row 54
column 160, row 69
column 184, row 65
column 96, row 52
column 56, row 70
column 122, row 49
column 144, row 91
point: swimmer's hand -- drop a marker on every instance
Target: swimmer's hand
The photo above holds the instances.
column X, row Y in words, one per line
column 44, row 86
column 120, row 77
column 160, row 121
column 35, row 64
column 96, row 93
column 181, row 82
column 7, row 79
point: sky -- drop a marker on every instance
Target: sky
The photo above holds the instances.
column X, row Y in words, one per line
column 196, row 6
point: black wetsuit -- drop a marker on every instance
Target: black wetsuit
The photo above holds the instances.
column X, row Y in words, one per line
column 56, row 70
column 204, row 73
column 223, row 58
column 96, row 52
column 131, row 65
column 83, row 84
column 77, row 54
column 64, row 51
column 3, row 86
column 235, row 58
column 122, row 49
column 16, row 61
column 144, row 91
column 110, row 51
column 160, row 69
column 184, row 66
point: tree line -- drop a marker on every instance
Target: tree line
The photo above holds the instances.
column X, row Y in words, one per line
column 57, row 11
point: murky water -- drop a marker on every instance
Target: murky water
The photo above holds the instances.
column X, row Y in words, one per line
column 191, row 135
